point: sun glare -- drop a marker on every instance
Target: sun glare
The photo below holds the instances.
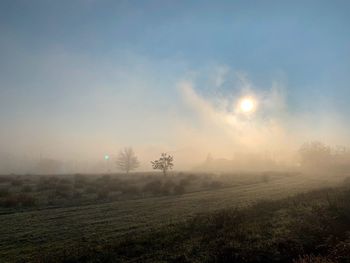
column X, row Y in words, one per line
column 247, row 105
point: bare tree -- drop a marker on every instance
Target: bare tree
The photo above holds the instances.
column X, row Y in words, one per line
column 127, row 160
column 164, row 163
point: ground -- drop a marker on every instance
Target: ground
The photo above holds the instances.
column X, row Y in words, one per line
column 27, row 233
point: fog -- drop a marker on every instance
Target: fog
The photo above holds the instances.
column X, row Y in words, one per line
column 77, row 85
column 174, row 131
column 72, row 112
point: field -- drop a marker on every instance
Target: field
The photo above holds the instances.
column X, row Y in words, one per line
column 28, row 232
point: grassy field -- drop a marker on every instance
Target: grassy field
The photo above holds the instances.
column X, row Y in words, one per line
column 26, row 234
column 312, row 227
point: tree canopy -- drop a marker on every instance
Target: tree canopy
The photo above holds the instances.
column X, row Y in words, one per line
column 164, row 163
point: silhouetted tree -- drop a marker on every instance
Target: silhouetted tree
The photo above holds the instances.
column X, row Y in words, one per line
column 127, row 160
column 164, row 163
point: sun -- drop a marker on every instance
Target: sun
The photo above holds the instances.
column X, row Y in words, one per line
column 247, row 105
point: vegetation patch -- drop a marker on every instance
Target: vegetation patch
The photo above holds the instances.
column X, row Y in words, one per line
column 313, row 227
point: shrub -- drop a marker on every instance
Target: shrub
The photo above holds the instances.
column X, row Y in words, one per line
column 63, row 190
column 78, row 185
column 186, row 181
column 192, row 177
column 215, row 184
column 9, row 201
column 130, row 190
column 4, row 192
column 116, row 185
column 102, row 180
column 179, row 189
column 168, row 187
column 27, row 189
column 46, row 183
column 90, row 190
column 77, row 195
column 205, row 184
column 5, row 179
column 153, row 187
column 26, row 200
column 16, row 182
column 79, row 181
column 102, row 194
column 106, row 178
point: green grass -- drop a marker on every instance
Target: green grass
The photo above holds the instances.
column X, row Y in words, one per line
column 25, row 235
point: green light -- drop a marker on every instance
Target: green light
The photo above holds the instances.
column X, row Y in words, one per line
column 106, row 157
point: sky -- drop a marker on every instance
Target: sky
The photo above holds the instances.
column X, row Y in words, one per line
column 80, row 79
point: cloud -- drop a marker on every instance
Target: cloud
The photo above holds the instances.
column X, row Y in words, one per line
column 227, row 130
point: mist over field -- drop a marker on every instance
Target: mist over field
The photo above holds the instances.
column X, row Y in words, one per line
column 75, row 102
column 79, row 113
column 174, row 131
